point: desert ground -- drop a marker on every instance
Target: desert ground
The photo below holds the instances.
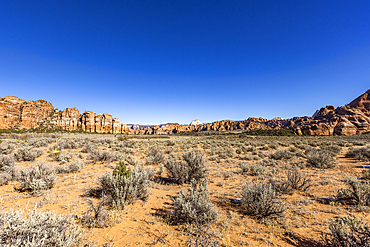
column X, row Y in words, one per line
column 256, row 190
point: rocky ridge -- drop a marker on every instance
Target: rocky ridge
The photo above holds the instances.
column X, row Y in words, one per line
column 15, row 113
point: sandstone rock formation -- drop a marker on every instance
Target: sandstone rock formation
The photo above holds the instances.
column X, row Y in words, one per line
column 15, row 113
column 351, row 119
column 20, row 114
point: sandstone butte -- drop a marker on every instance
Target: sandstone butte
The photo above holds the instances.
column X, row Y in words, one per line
column 351, row 119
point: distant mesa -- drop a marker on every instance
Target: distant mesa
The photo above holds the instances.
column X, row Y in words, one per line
column 351, row 119
column 195, row 122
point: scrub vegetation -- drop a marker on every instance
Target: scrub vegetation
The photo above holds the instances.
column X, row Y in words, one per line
column 256, row 188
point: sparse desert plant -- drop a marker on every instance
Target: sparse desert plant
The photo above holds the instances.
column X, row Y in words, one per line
column 89, row 148
column 320, row 158
column 32, row 228
column 357, row 192
column 298, row 180
column 26, row 153
column 74, row 166
column 177, row 169
column 63, row 158
column 348, row 232
column 6, row 148
column 282, row 154
column 121, row 170
column 155, row 156
column 66, row 144
column 36, row 179
column 104, row 156
column 37, row 142
column 7, row 163
column 257, row 170
column 295, row 180
column 96, row 216
column 193, row 167
column 360, row 154
column 261, row 200
column 196, row 164
column 244, row 167
column 122, row 190
column 366, row 174
column 202, row 236
column 333, row 149
column 195, row 205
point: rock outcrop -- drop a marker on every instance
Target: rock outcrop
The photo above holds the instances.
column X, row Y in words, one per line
column 20, row 114
column 351, row 119
column 15, row 113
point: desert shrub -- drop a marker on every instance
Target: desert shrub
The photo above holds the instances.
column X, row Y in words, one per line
column 282, row 154
column 193, row 167
column 360, row 154
column 74, row 167
column 63, row 158
column 130, row 160
column 123, row 190
column 177, row 170
column 357, row 192
column 96, row 216
column 333, row 149
column 366, row 174
column 320, row 158
column 170, row 143
column 66, row 144
column 298, row 180
column 202, row 236
column 36, row 179
column 256, row 170
column 348, row 232
column 244, row 167
column 104, row 156
column 273, row 145
column 295, row 180
column 196, row 164
column 32, row 228
column 122, row 171
column 155, row 156
column 25, row 153
column 195, row 205
column 261, row 200
column 6, row 163
column 37, row 143
column 89, row 148
column 5, row 177
column 6, row 148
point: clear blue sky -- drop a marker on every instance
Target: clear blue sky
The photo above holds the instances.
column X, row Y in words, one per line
column 175, row 61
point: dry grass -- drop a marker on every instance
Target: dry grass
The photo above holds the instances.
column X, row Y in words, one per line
column 291, row 177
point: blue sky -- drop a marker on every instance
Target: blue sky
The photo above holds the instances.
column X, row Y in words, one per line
column 175, row 61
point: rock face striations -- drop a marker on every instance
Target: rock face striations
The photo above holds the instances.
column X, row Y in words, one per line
column 351, row 119
column 20, row 114
column 15, row 113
